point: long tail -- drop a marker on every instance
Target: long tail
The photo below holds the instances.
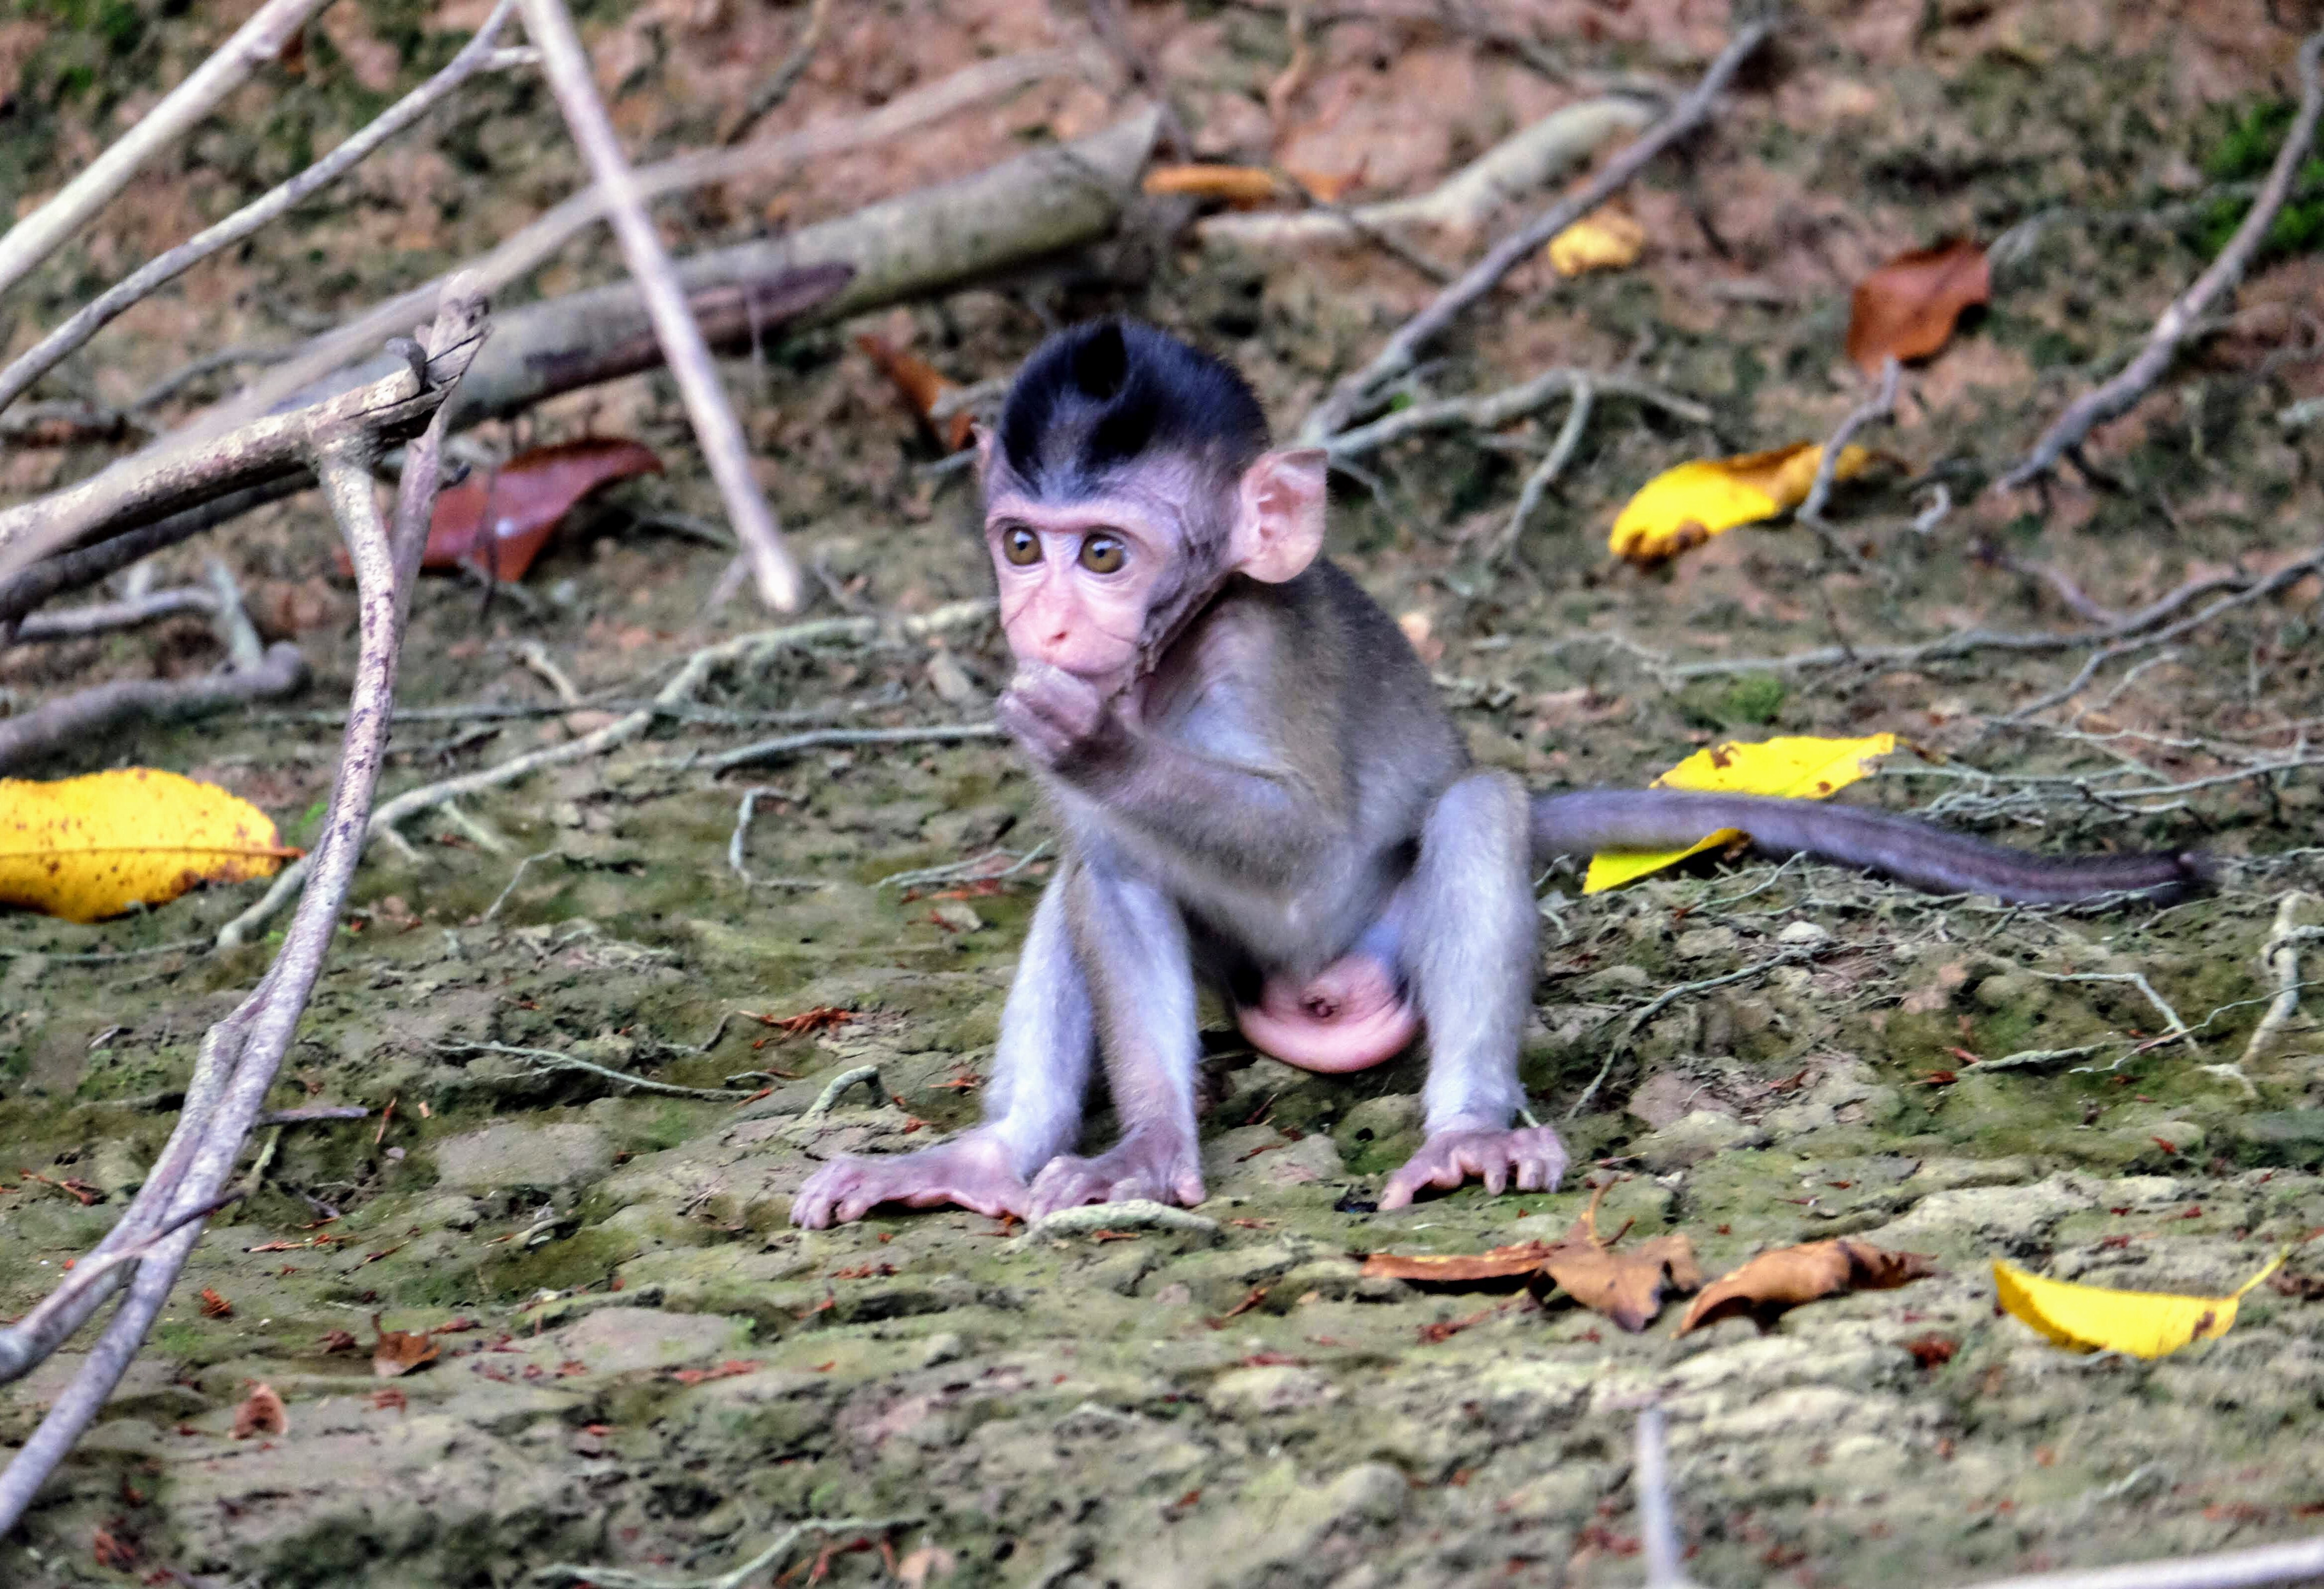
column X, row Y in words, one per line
column 1912, row 852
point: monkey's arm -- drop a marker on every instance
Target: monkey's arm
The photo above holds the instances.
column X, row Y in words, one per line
column 1236, row 797
column 1913, row 853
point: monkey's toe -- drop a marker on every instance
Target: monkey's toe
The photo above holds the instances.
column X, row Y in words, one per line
column 1532, row 1159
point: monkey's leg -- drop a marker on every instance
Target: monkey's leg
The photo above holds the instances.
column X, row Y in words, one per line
column 1470, row 951
column 1032, row 1106
column 1132, row 944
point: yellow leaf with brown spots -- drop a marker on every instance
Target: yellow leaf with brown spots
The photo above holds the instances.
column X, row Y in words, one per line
column 89, row 848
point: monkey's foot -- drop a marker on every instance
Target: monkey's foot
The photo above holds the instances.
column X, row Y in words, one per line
column 1161, row 1169
column 1532, row 1159
column 972, row 1173
column 1348, row 1017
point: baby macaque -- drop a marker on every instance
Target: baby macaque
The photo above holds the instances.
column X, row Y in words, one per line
column 1260, row 792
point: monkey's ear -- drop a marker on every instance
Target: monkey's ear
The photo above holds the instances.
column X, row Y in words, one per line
column 983, row 439
column 1278, row 527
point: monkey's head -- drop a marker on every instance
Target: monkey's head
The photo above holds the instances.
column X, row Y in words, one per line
column 1128, row 477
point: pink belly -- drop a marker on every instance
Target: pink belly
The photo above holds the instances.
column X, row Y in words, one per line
column 1350, row 1016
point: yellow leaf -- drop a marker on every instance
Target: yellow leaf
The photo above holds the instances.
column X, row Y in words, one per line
column 88, row 847
column 2093, row 1319
column 1681, row 507
column 1798, row 766
column 1606, row 241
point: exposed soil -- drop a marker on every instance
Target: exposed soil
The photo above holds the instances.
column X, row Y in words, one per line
column 660, row 1374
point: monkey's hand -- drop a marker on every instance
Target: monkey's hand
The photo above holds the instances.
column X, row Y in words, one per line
column 1061, row 720
column 1532, row 1158
column 970, row 1171
column 1156, row 1165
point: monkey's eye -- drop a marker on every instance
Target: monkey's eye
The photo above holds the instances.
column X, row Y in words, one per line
column 1103, row 554
column 1020, row 546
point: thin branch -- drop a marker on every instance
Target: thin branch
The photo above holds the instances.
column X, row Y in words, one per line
column 743, row 651
column 1650, row 1479
column 734, row 1577
column 2279, row 957
column 817, row 739
column 139, row 490
column 77, row 718
column 2118, row 396
column 98, row 617
column 777, row 88
column 257, row 42
column 515, row 256
column 567, row 66
column 142, row 283
column 1492, row 409
column 1352, row 395
column 2228, row 1569
column 1545, row 472
column 546, row 1062
column 83, row 566
column 242, row 1053
column 1880, row 406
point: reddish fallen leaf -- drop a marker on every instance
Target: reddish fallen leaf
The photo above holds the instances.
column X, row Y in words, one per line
column 1906, row 309
column 1773, row 1284
column 261, row 1412
column 922, row 386
column 215, row 1306
column 732, row 1368
column 1932, row 1350
column 1455, row 1268
column 338, row 1340
column 822, row 1018
column 526, row 497
column 398, row 1351
column 112, row 1550
column 390, row 1398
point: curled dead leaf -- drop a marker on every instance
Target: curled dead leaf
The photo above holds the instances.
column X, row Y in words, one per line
column 399, row 1352
column 261, row 1412
column 1773, row 1284
column 1907, row 309
column 1239, row 185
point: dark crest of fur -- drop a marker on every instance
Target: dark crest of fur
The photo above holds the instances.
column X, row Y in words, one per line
column 1095, row 397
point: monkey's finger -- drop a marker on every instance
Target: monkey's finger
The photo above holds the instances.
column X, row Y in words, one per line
column 1495, row 1170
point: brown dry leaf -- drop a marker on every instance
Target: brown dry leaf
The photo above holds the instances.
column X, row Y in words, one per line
column 1239, row 185
column 1455, row 1268
column 215, row 1306
column 1773, row 1284
column 922, row 385
column 399, row 1352
column 1907, row 307
column 1627, row 1287
column 526, row 499
column 928, row 1562
column 338, row 1340
column 261, row 1412
column 112, row 1550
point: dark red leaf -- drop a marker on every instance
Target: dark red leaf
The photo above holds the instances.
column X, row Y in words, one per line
column 527, row 498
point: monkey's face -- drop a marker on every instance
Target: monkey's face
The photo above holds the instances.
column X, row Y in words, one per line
column 1077, row 580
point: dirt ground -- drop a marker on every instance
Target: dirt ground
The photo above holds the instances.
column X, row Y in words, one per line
column 641, row 1365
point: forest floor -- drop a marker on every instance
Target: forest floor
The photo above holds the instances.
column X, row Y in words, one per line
column 641, row 1365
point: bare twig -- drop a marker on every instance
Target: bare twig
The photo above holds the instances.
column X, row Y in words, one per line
column 2120, row 395
column 1352, row 395
column 83, row 716
column 167, row 267
column 734, row 1577
column 516, row 255
column 720, row 432
column 74, row 623
column 1545, row 472
column 1650, row 1480
column 867, row 1076
column 545, row 1061
column 1881, row 405
column 960, row 869
column 173, row 478
column 2295, row 1560
column 1669, row 996
column 2279, row 957
column 70, row 571
column 743, row 651
column 1492, row 409
column 1134, row 1214
column 777, row 88
column 242, row 1053
column 817, row 739
column 494, row 911
column 260, row 40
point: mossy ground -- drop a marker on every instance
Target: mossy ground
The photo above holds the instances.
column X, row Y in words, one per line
column 1164, row 1409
